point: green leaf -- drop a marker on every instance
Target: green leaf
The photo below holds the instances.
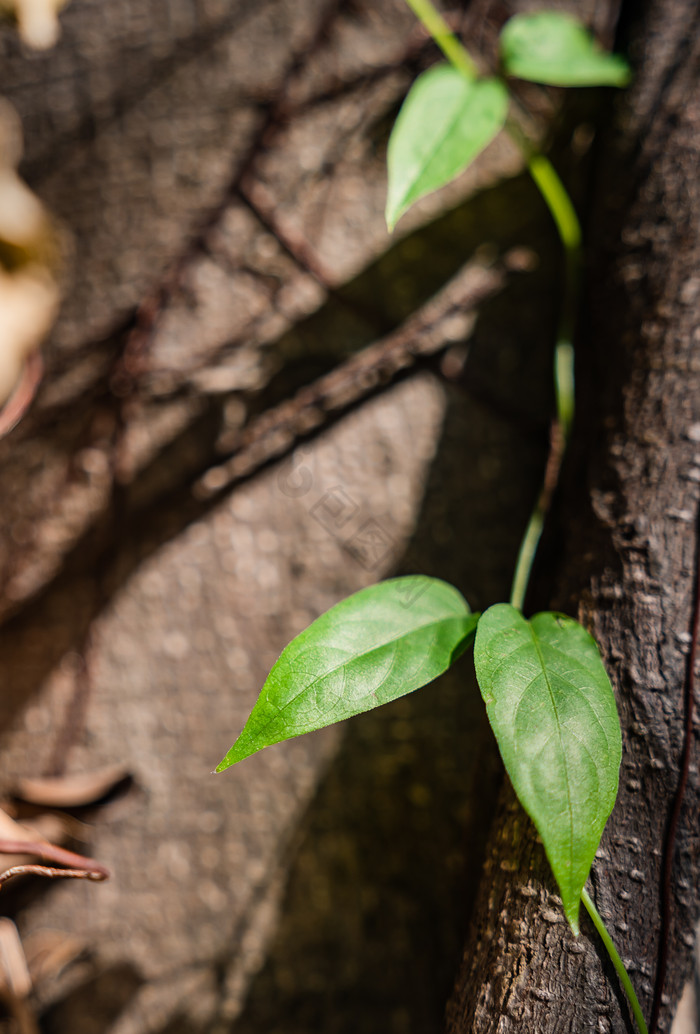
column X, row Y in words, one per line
column 552, row 709
column 445, row 122
column 555, row 48
column 373, row 647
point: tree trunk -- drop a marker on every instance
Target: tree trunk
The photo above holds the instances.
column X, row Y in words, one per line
column 621, row 552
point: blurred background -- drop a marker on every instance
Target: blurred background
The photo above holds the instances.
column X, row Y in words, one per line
column 250, row 403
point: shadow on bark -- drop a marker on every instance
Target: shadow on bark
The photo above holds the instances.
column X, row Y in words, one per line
column 140, row 522
column 387, row 862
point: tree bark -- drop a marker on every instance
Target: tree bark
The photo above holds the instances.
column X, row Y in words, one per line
column 621, row 552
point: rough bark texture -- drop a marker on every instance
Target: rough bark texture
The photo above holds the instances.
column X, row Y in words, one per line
column 622, row 550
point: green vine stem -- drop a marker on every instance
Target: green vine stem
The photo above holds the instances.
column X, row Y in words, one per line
column 616, row 961
column 563, row 213
column 568, row 227
column 562, row 210
column 446, row 40
column 526, row 553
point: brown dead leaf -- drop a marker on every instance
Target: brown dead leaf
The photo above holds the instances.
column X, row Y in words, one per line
column 56, row 826
column 28, row 307
column 49, row 952
column 23, row 393
column 28, row 289
column 71, row 791
column 37, row 20
column 14, row 972
column 14, row 835
column 25, row 227
column 15, row 982
column 49, row 826
column 12, row 830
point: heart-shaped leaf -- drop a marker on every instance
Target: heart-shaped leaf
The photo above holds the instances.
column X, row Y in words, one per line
column 445, row 122
column 555, row 48
column 375, row 646
column 552, row 709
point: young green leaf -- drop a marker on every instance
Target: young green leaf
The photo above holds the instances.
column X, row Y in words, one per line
column 552, row 709
column 375, row 646
column 555, row 48
column 445, row 122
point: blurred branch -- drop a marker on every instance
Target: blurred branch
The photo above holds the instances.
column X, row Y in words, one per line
column 44, row 870
column 52, row 853
column 431, row 330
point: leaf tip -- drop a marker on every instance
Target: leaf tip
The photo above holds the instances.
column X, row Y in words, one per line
column 392, row 216
column 236, row 753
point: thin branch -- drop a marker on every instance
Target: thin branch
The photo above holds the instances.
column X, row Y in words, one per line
column 45, row 870
column 274, row 433
column 52, row 853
